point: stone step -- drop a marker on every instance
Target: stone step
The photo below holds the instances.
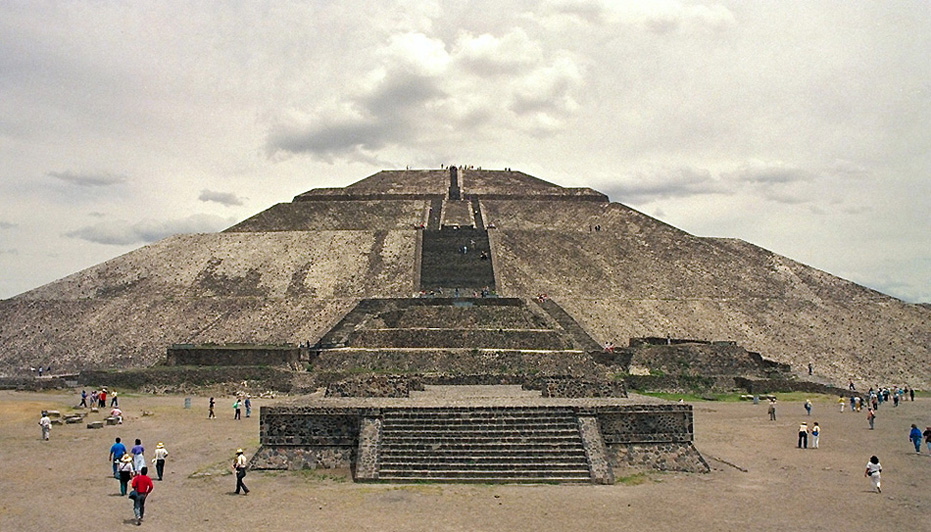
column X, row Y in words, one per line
column 491, row 447
column 502, row 425
column 403, row 461
column 450, row 433
column 490, row 474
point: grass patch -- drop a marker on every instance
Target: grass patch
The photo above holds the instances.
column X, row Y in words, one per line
column 632, row 480
column 694, row 397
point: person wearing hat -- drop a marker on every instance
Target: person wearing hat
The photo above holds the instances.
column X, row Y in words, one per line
column 46, row 423
column 239, row 465
column 160, row 453
column 125, row 469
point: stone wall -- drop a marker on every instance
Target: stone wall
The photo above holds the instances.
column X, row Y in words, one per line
column 675, row 456
column 375, row 386
column 234, row 355
column 169, row 378
column 583, row 388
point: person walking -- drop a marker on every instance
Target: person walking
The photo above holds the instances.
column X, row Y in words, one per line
column 772, row 409
column 873, row 469
column 117, row 450
column 125, row 471
column 915, row 436
column 808, row 406
column 142, row 487
column 210, row 413
column 239, row 465
column 160, row 454
column 927, row 435
column 84, row 398
column 803, row 435
column 138, row 452
column 871, row 417
column 46, row 424
column 815, row 435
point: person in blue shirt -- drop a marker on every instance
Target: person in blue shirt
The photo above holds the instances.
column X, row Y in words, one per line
column 117, row 450
column 915, row 436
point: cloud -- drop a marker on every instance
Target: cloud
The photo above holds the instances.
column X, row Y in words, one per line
column 652, row 184
column 423, row 93
column 224, row 198
column 89, row 180
column 122, row 233
column 7, row 225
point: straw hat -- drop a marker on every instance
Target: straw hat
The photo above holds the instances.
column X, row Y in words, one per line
column 160, row 445
column 127, row 458
column 238, row 451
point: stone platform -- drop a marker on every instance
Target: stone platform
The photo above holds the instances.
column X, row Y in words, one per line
column 445, row 435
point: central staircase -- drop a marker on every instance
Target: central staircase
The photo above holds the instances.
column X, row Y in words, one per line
column 482, row 444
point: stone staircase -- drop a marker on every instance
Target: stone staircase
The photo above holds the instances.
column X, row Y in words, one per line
column 482, row 444
column 445, row 267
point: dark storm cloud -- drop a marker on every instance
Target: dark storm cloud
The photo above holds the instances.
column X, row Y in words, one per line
column 224, row 198
column 89, row 180
column 122, row 233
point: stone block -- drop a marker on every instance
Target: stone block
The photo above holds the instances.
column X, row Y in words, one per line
column 95, row 425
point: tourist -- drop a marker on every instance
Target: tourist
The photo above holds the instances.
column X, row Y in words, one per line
column 114, row 401
column 239, row 465
column 125, row 471
column 927, row 435
column 851, row 386
column 873, row 469
column 772, row 409
column 237, row 407
column 842, row 402
column 102, row 398
column 142, row 487
column 803, row 435
column 815, row 435
column 46, row 423
column 911, row 394
column 138, row 455
column 811, row 368
column 160, row 453
column 93, row 398
column 118, row 414
column 871, row 417
column 117, row 450
column 248, row 406
column 808, row 406
column 210, row 414
column 84, row 398
column 915, row 436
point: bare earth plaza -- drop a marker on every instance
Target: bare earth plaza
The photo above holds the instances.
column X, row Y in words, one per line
column 464, row 349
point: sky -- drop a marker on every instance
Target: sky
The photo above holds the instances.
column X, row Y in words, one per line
column 800, row 127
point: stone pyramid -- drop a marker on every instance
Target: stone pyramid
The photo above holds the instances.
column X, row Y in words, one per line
column 291, row 273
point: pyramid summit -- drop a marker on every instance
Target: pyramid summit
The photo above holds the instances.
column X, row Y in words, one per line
column 294, row 272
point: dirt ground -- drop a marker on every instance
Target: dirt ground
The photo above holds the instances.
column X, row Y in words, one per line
column 759, row 479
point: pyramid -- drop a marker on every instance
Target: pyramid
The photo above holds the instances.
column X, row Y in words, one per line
column 292, row 273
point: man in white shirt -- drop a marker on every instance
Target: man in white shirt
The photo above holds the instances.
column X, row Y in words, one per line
column 46, row 425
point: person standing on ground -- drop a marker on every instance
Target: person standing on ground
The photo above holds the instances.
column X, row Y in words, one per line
column 248, row 406
column 210, row 414
column 138, row 455
column 927, row 435
column 142, row 487
column 160, row 453
column 46, row 423
column 911, row 394
column 842, row 402
column 237, row 405
column 772, row 409
column 239, row 465
column 915, row 436
column 114, row 401
column 873, row 469
column 117, row 450
column 871, row 417
column 84, row 398
column 125, row 471
column 808, row 406
column 803, row 435
column 815, row 435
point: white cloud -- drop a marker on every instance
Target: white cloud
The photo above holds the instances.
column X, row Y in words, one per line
column 123, row 233
column 223, row 198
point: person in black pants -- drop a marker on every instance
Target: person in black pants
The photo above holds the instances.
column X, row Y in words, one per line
column 240, row 466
